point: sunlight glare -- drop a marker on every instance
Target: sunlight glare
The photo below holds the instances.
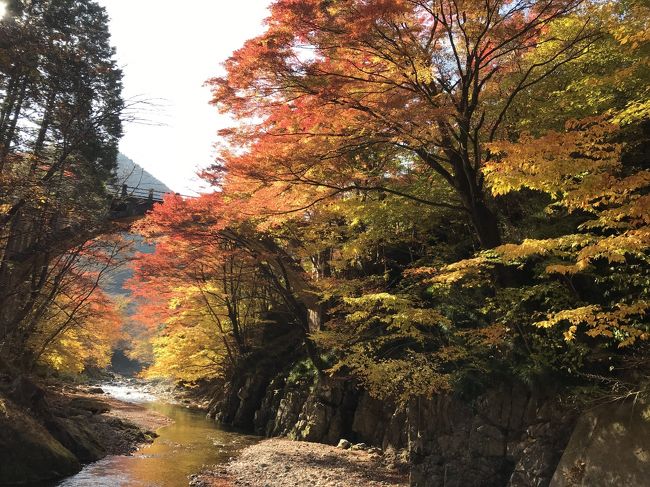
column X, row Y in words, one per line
column 3, row 9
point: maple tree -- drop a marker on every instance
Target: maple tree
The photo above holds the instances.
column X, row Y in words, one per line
column 208, row 278
column 361, row 96
column 215, row 296
column 72, row 323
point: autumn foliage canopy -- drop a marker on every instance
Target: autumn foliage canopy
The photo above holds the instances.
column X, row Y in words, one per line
column 419, row 194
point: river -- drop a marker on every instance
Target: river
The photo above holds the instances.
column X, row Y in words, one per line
column 181, row 449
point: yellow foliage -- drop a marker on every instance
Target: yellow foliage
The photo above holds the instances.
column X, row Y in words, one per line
column 188, row 354
column 471, row 272
column 398, row 379
column 565, row 244
column 615, row 323
column 574, row 166
column 581, row 170
column 88, row 341
column 399, row 314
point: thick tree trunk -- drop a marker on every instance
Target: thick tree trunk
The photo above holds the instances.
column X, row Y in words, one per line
column 468, row 184
column 467, row 181
column 485, row 225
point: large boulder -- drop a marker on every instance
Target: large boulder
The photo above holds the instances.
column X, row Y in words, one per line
column 28, row 452
column 79, row 436
column 610, row 445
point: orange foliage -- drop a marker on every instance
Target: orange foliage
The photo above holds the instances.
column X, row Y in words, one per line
column 364, row 95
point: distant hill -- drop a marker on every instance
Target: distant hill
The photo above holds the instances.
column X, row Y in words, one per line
column 133, row 175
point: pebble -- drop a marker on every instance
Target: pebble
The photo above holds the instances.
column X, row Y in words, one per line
column 285, row 463
column 344, row 444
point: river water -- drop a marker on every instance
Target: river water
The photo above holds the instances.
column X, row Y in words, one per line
column 181, row 449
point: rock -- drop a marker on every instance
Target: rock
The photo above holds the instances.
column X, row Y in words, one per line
column 77, row 436
column 508, row 436
column 344, row 444
column 28, row 452
column 488, row 441
column 96, row 390
column 95, row 406
column 379, row 423
column 359, row 446
column 610, row 445
column 26, row 393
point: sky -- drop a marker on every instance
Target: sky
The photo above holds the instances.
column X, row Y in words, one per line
column 167, row 50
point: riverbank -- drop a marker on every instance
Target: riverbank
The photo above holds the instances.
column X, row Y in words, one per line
column 146, row 419
column 48, row 433
column 279, row 462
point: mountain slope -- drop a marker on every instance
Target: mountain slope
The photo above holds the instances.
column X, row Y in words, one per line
column 134, row 176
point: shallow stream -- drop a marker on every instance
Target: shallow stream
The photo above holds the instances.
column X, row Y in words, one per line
column 181, row 449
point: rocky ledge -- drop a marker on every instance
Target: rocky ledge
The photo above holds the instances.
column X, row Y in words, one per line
column 47, row 434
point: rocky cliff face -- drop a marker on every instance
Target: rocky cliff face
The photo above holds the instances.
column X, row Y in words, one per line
column 311, row 409
column 509, row 436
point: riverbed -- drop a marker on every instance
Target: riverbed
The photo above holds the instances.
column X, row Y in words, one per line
column 182, row 448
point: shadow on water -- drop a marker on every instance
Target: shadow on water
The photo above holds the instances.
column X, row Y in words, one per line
column 183, row 448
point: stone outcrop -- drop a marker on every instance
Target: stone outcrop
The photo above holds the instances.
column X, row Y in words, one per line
column 380, row 423
column 505, row 437
column 281, row 406
column 508, row 436
column 326, row 415
column 610, row 445
column 319, row 409
column 46, row 436
column 28, row 451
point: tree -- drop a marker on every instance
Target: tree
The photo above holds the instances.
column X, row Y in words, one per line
column 60, row 120
column 391, row 158
column 583, row 307
column 358, row 96
column 210, row 282
column 71, row 323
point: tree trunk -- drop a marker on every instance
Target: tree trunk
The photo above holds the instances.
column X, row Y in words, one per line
column 468, row 184
column 8, row 103
column 485, row 224
column 9, row 135
column 467, row 181
column 45, row 125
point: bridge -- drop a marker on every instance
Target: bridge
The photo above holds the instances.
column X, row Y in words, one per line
column 131, row 203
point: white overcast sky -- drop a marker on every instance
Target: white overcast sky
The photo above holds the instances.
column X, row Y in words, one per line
column 167, row 50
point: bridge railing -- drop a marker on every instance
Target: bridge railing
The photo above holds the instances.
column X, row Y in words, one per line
column 150, row 194
column 134, row 202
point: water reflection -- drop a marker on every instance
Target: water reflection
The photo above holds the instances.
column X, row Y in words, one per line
column 182, row 448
